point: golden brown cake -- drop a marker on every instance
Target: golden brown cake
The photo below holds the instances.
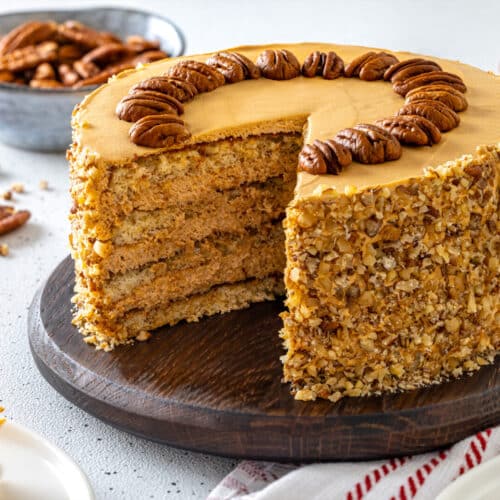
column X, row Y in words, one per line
column 391, row 270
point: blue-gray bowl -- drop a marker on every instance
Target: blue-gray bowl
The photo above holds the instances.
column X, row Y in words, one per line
column 39, row 119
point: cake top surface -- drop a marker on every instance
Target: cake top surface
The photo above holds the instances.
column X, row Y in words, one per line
column 318, row 107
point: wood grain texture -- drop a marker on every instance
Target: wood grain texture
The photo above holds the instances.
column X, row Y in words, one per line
column 215, row 386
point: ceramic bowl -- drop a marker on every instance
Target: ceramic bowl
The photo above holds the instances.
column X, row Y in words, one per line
column 39, row 119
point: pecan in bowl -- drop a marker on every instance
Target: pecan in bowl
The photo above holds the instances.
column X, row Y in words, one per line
column 49, row 66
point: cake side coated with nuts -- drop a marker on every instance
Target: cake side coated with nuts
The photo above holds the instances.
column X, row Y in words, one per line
column 394, row 287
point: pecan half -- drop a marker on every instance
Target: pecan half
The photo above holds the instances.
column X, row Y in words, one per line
column 150, row 56
column 354, row 67
column 68, row 54
column 108, row 53
column 410, row 67
column 44, row 71
column 7, row 76
column 278, row 64
column 201, row 75
column 76, row 32
column 411, row 129
column 370, row 66
column 11, row 219
column 230, row 69
column 86, row 69
column 180, row 89
column 450, row 96
column 142, row 103
column 326, row 64
column 369, row 143
column 45, row 84
column 432, row 77
column 30, row 33
column 138, row 44
column 438, row 113
column 324, row 157
column 29, row 57
column 234, row 66
column 105, row 74
column 159, row 131
column 67, row 75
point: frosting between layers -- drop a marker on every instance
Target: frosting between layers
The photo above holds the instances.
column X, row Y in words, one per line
column 321, row 107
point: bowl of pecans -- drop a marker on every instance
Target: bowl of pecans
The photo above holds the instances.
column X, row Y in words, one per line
column 49, row 61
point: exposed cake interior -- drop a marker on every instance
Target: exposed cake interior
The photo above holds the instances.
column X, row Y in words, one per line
column 166, row 238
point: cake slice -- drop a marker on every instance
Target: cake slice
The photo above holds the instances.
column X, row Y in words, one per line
column 391, row 270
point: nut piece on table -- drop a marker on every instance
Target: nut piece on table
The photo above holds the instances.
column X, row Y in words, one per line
column 278, row 64
column 4, row 251
column 11, row 219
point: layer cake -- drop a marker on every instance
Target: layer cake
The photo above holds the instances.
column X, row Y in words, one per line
column 391, row 270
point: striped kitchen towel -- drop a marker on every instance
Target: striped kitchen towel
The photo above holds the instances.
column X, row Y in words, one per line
column 419, row 476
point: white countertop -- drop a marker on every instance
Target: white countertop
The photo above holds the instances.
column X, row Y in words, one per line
column 121, row 466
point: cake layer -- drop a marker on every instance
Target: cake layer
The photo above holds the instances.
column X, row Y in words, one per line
column 229, row 210
column 227, row 257
column 105, row 334
column 395, row 287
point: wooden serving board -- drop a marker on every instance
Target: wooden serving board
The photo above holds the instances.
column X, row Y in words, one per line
column 215, row 386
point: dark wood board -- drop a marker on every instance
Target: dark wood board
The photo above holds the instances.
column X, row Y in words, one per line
column 215, row 386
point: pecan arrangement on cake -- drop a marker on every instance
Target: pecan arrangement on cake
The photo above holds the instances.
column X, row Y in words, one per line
column 382, row 166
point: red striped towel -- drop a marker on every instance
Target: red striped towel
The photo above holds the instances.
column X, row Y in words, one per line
column 419, row 476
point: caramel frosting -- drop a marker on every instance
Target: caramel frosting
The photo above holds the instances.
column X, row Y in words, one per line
column 317, row 107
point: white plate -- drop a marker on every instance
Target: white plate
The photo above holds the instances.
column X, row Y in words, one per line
column 33, row 469
column 481, row 483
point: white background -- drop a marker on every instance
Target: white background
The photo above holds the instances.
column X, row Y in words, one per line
column 119, row 465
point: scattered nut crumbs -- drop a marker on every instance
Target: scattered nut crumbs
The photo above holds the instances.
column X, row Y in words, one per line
column 17, row 187
column 7, row 195
column 43, row 185
column 4, row 250
column 2, row 419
